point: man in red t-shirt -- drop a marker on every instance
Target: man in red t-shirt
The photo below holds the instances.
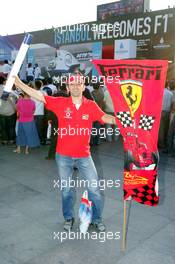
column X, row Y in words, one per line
column 76, row 115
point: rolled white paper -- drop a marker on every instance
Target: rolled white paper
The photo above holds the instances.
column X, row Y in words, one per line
column 18, row 62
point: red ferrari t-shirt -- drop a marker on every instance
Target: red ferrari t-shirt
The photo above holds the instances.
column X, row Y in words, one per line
column 75, row 126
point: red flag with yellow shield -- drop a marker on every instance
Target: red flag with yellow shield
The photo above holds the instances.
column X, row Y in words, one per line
column 136, row 88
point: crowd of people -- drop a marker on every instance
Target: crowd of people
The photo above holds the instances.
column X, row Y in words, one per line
column 19, row 109
column 25, row 121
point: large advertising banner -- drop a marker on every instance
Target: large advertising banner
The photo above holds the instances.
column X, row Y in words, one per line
column 109, row 10
column 136, row 88
column 153, row 31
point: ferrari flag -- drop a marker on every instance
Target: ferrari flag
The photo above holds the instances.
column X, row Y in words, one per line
column 136, row 88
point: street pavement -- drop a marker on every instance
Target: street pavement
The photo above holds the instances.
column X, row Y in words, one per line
column 31, row 222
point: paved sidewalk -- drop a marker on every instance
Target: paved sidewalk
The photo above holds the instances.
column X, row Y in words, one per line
column 30, row 213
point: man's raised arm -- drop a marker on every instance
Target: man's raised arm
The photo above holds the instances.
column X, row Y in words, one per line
column 28, row 90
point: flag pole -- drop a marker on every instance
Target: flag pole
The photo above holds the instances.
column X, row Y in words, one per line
column 124, row 226
column 125, row 222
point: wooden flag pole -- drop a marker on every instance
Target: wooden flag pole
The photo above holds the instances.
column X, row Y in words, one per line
column 124, row 226
column 125, row 222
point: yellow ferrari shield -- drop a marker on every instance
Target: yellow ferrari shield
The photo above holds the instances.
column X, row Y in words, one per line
column 132, row 92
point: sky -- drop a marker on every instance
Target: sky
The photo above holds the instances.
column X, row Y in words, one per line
column 18, row 16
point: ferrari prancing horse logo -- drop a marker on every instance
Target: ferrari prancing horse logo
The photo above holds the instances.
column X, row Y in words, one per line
column 132, row 92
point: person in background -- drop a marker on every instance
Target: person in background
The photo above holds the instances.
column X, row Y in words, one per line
column 39, row 114
column 165, row 117
column 45, row 87
column 98, row 96
column 171, row 132
column 27, row 135
column 51, row 86
column 102, row 84
column 21, row 95
column 87, row 85
column 87, row 94
column 37, row 71
column 63, row 91
column 6, row 67
column 7, row 115
column 29, row 73
column 109, row 109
